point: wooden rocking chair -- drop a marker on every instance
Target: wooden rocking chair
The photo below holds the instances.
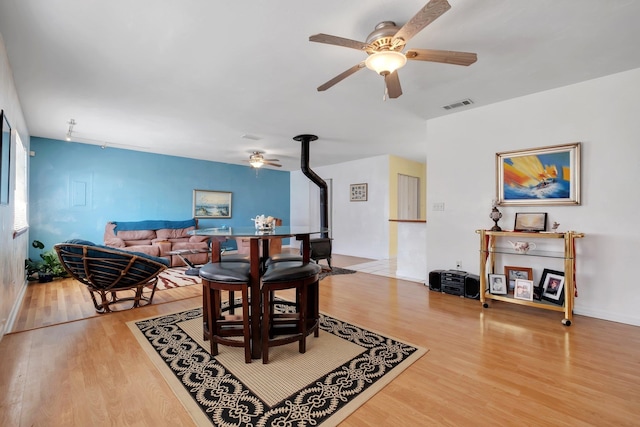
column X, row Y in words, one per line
column 106, row 271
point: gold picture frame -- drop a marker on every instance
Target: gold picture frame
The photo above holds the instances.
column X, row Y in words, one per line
column 211, row 204
column 539, row 176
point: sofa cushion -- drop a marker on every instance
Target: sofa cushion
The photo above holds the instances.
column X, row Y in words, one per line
column 196, row 239
column 152, row 250
column 136, row 235
column 114, row 242
column 136, row 242
column 189, row 245
column 178, row 240
column 173, row 233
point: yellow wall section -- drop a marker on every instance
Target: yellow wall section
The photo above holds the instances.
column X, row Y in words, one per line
column 398, row 165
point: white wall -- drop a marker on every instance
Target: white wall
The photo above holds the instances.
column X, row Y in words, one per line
column 359, row 228
column 603, row 115
column 13, row 251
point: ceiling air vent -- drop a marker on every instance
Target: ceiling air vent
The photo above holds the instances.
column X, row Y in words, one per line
column 458, row 104
column 251, row 137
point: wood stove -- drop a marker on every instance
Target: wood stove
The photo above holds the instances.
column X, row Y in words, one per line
column 320, row 247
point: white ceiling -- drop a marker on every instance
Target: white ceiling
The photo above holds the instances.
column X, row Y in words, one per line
column 189, row 78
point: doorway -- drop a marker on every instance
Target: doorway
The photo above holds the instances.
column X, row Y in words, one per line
column 408, row 197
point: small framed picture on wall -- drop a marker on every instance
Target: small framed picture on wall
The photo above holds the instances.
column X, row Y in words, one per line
column 358, row 193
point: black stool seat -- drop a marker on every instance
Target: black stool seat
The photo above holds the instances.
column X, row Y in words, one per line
column 218, row 327
column 289, row 270
column 283, row 257
column 220, row 272
column 284, row 328
column 234, row 258
column 226, row 272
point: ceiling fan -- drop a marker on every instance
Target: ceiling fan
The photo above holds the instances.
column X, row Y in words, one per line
column 257, row 160
column 385, row 44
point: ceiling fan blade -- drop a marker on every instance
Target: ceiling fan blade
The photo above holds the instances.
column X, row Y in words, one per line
column 338, row 41
column 393, row 85
column 429, row 13
column 273, row 164
column 341, row 76
column 444, row 56
column 271, row 160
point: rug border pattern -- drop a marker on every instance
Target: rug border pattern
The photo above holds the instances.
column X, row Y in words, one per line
column 224, row 400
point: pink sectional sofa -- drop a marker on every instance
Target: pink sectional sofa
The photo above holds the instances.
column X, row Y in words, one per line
column 158, row 238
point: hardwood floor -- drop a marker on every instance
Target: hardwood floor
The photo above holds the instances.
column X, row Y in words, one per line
column 505, row 365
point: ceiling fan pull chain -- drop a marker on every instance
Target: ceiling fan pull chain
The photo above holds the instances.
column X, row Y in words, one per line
column 386, row 92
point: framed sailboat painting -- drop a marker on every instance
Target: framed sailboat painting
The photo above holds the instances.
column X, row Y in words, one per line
column 539, row 176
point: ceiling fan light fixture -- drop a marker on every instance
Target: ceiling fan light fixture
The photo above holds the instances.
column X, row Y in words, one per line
column 386, row 61
column 256, row 163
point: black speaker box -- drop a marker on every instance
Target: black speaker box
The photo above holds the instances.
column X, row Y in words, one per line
column 434, row 280
column 472, row 286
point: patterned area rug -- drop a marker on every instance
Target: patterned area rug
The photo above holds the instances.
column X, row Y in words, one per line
column 342, row 368
column 174, row 278
column 334, row 271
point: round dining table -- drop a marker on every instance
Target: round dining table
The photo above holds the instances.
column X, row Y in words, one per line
column 256, row 237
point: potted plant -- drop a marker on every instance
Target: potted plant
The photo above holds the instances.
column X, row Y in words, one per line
column 46, row 269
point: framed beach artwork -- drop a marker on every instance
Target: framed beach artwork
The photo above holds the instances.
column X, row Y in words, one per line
column 539, row 176
column 211, row 204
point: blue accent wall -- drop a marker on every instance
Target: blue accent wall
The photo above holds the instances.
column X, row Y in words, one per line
column 75, row 189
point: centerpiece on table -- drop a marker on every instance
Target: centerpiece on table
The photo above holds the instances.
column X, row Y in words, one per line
column 264, row 223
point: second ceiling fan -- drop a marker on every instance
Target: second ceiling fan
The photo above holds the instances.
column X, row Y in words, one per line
column 385, row 44
column 257, row 160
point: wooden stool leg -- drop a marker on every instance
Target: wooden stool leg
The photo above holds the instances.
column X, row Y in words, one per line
column 266, row 302
column 315, row 296
column 209, row 295
column 245, row 324
column 302, row 346
column 205, row 304
column 232, row 301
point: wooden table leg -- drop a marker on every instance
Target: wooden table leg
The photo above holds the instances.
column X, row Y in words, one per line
column 255, row 306
column 306, row 247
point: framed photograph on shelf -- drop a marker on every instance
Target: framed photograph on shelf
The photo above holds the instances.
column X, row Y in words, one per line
column 526, row 221
column 552, row 284
column 358, row 192
column 515, row 273
column 539, row 176
column 498, row 284
column 524, row 290
column 211, row 204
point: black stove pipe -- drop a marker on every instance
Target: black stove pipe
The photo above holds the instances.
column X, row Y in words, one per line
column 304, row 165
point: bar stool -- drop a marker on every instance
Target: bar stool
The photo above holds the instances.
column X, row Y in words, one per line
column 283, row 328
column 221, row 328
column 224, row 261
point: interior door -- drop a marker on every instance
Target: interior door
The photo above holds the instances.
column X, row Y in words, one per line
column 408, row 197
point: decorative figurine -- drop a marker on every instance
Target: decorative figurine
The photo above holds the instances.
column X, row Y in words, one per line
column 495, row 215
column 555, row 226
